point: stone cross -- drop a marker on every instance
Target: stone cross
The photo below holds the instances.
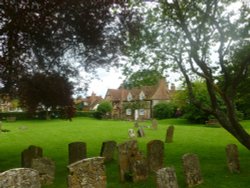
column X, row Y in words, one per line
column 169, row 134
column 233, row 162
column 77, row 151
column 108, row 150
column 87, row 173
column 166, row 178
column 192, row 169
column 20, row 178
column 155, row 154
column 31, row 153
column 46, row 168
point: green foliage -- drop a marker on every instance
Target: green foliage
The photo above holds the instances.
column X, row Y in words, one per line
column 164, row 110
column 84, row 114
column 143, row 77
column 103, row 110
column 189, row 110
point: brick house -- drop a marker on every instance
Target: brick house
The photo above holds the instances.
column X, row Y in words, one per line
column 89, row 103
column 137, row 103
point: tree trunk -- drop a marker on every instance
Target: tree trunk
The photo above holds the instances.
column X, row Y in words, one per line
column 233, row 126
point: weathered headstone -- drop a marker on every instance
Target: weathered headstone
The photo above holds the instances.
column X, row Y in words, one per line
column 46, row 168
column 77, row 151
column 20, row 178
column 169, row 134
column 192, row 169
column 155, row 154
column 87, row 173
column 126, row 151
column 166, row 178
column 131, row 133
column 154, row 124
column 139, row 167
column 108, row 150
column 233, row 158
column 140, row 132
column 136, row 124
column 31, row 153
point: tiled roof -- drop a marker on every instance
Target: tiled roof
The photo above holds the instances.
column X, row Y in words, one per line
column 156, row 92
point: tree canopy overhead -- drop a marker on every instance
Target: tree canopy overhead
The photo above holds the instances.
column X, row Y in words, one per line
column 43, row 35
column 201, row 39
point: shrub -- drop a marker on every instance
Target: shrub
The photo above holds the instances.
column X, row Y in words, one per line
column 103, row 110
column 163, row 110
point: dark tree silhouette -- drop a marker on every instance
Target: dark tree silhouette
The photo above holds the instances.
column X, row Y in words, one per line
column 45, row 92
column 43, row 35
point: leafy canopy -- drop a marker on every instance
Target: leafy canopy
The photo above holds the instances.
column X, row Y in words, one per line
column 199, row 38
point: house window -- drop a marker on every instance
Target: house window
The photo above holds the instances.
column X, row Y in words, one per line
column 142, row 96
column 141, row 112
column 129, row 97
column 128, row 112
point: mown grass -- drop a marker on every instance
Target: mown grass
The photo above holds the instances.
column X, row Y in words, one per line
column 55, row 135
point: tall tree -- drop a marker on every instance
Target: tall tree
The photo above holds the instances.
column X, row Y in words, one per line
column 142, row 78
column 205, row 39
column 45, row 92
column 53, row 36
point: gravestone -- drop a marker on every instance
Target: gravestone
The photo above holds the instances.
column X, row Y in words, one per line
column 154, row 124
column 31, row 153
column 46, row 168
column 166, row 178
column 131, row 133
column 136, row 124
column 77, row 151
column 20, row 178
column 233, row 158
column 169, row 134
column 155, row 154
column 140, row 132
column 108, row 150
column 192, row 170
column 126, row 151
column 139, row 167
column 87, row 173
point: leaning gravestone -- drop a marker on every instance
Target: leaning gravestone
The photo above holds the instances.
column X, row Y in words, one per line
column 126, row 151
column 20, row 178
column 46, row 168
column 155, row 154
column 154, row 124
column 87, row 173
column 140, row 132
column 77, row 151
column 169, row 134
column 108, row 150
column 166, row 178
column 192, row 169
column 31, row 153
column 233, row 158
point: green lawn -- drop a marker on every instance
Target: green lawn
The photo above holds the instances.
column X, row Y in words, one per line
column 55, row 135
